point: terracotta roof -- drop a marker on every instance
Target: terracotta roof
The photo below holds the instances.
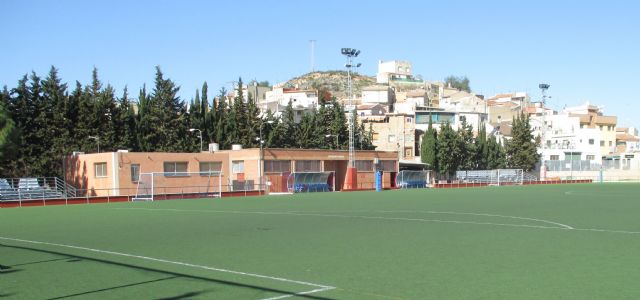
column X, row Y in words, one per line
column 627, row 137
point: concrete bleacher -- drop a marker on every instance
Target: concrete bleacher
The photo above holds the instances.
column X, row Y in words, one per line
column 27, row 188
column 494, row 176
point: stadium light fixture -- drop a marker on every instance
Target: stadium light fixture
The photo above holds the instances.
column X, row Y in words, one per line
column 199, row 134
column 97, row 139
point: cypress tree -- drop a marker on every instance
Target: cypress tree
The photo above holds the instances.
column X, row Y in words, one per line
column 429, row 147
column 522, row 150
column 449, row 152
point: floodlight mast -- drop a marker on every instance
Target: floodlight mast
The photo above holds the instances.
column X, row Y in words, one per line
column 543, row 88
column 352, row 175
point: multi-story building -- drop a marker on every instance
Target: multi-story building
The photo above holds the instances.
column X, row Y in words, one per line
column 394, row 132
column 627, row 140
column 592, row 116
column 277, row 100
column 393, row 70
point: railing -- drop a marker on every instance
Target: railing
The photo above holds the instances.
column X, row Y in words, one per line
column 35, row 188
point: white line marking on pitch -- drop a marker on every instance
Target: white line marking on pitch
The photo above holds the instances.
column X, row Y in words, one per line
column 477, row 214
column 321, row 287
column 345, row 216
column 564, row 227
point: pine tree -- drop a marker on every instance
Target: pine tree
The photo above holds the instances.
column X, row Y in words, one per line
column 9, row 136
column 54, row 124
column 521, row 150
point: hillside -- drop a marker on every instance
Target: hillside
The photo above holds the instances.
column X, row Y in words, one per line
column 333, row 81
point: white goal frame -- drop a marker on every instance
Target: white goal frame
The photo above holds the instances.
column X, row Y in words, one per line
column 152, row 184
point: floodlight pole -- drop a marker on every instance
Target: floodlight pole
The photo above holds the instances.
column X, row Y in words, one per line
column 97, row 139
column 199, row 134
column 543, row 88
column 352, row 173
column 260, row 161
column 335, row 135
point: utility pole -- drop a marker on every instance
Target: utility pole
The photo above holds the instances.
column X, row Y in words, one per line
column 313, row 46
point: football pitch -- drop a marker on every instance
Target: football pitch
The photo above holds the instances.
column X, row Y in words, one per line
column 574, row 241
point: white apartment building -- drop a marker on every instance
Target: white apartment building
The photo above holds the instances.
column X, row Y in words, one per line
column 277, row 100
column 377, row 94
column 565, row 139
column 394, row 69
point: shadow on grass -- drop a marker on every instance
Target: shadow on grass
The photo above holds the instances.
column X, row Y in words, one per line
column 173, row 276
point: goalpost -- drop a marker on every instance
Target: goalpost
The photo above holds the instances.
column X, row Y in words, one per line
column 301, row 182
column 411, row 179
column 152, row 185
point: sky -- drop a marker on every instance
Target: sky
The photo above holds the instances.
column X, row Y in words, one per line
column 586, row 50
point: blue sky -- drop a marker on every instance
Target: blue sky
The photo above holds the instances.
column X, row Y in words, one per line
column 586, row 50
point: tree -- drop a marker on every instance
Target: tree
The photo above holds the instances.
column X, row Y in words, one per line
column 429, row 147
column 449, row 151
column 9, row 137
column 466, row 144
column 521, row 150
column 460, row 83
column 481, row 149
column 495, row 154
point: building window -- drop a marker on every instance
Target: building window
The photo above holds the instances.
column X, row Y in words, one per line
column 207, row 167
column 101, row 169
column 463, row 118
column 387, row 166
column 307, row 166
column 364, row 165
column 591, row 142
column 409, row 120
column 237, row 166
column 277, row 166
column 175, row 168
column 135, row 172
column 591, row 157
column 554, row 157
column 601, row 143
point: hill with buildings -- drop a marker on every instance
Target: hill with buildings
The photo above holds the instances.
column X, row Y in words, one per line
column 333, row 81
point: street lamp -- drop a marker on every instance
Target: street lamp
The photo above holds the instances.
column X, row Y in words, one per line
column 199, row 134
column 336, row 136
column 260, row 161
column 97, row 139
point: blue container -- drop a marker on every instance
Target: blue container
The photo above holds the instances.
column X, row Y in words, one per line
column 378, row 181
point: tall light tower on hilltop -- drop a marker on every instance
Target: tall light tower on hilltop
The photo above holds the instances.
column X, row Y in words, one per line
column 352, row 173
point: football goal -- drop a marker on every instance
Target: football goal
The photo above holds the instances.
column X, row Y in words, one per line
column 301, row 182
column 159, row 185
column 412, row 179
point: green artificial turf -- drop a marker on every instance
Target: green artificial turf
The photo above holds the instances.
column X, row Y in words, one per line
column 577, row 241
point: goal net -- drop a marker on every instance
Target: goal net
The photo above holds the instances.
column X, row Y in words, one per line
column 159, row 185
column 301, row 182
column 492, row 177
column 412, row 179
